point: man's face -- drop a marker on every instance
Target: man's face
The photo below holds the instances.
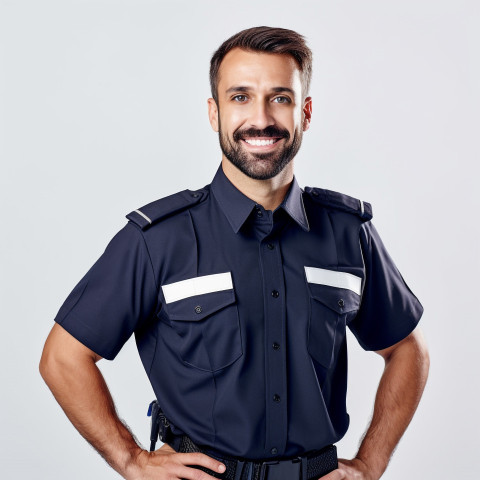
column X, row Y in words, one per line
column 260, row 117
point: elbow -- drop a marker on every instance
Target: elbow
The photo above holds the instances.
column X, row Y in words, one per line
column 412, row 350
column 46, row 365
column 424, row 357
column 63, row 353
column 420, row 354
column 44, row 361
column 41, row 367
column 53, row 362
column 421, row 348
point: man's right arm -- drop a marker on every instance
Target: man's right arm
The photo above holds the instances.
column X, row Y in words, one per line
column 70, row 371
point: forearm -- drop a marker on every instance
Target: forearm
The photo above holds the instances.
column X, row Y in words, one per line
column 81, row 391
column 397, row 398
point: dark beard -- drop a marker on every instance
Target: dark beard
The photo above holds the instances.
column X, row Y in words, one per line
column 259, row 166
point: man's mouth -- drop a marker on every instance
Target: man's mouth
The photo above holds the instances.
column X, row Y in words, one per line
column 261, row 141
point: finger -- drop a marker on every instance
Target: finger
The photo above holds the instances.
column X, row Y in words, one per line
column 191, row 473
column 198, row 458
column 335, row 475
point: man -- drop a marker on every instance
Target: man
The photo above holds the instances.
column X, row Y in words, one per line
column 239, row 295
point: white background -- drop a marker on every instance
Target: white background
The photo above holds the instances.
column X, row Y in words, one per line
column 103, row 109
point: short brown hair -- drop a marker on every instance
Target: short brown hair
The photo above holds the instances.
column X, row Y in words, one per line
column 270, row 40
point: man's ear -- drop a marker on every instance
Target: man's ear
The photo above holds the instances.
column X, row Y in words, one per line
column 307, row 113
column 213, row 114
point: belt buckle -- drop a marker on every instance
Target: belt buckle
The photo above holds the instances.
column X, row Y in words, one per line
column 281, row 470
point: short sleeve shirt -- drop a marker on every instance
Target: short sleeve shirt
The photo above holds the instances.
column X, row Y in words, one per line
column 240, row 313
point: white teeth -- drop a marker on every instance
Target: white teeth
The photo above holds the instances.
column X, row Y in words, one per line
column 259, row 143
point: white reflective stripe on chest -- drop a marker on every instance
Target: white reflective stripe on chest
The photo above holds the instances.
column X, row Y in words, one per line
column 197, row 286
column 333, row 278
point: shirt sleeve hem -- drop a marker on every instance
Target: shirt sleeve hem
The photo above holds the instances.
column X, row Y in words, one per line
column 77, row 329
column 409, row 327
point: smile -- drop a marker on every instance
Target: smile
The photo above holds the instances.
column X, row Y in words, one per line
column 264, row 142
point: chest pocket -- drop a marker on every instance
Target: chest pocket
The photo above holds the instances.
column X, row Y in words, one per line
column 334, row 296
column 204, row 313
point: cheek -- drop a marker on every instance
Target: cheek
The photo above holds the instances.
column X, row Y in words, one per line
column 298, row 117
column 231, row 122
column 234, row 118
column 289, row 120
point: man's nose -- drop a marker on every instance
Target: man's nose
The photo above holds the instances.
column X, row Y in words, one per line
column 260, row 115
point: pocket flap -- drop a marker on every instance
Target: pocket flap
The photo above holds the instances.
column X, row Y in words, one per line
column 334, row 278
column 341, row 300
column 198, row 307
column 194, row 286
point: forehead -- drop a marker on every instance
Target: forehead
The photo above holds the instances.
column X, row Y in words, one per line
column 257, row 70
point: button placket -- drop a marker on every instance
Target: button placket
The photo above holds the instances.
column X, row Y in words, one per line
column 275, row 326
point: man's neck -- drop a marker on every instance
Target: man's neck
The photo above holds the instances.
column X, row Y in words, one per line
column 268, row 193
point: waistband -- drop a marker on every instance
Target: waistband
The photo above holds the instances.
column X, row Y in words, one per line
column 310, row 466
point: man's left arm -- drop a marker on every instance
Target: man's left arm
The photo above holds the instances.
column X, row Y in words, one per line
column 398, row 394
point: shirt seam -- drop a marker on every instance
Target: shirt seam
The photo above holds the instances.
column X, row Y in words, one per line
column 196, row 240
column 363, row 254
column 158, row 293
column 334, row 237
column 149, row 258
column 215, row 395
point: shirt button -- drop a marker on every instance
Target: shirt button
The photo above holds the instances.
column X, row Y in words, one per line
column 341, row 303
column 276, row 346
column 198, row 309
column 276, row 398
column 275, row 294
column 315, row 193
column 259, row 213
column 195, row 195
column 274, row 451
column 270, row 246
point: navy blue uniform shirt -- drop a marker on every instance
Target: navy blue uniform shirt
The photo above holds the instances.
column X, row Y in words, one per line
column 239, row 313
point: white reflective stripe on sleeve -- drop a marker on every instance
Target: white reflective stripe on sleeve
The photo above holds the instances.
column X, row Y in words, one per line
column 143, row 215
column 332, row 278
column 361, row 206
column 197, row 286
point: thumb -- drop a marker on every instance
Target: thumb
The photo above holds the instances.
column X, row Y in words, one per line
column 166, row 448
column 335, row 475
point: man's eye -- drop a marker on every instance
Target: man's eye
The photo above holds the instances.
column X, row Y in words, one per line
column 287, row 100
column 238, row 96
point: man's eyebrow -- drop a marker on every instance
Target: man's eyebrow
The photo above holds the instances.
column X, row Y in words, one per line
column 241, row 88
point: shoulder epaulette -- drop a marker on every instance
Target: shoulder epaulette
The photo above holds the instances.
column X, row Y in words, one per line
column 154, row 211
column 341, row 201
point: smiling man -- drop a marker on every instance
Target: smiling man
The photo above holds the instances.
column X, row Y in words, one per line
column 263, row 118
column 239, row 295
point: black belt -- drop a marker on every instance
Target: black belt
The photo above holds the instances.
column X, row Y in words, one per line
column 307, row 467
column 310, row 466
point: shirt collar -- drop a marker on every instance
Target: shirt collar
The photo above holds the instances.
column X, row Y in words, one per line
column 293, row 205
column 237, row 206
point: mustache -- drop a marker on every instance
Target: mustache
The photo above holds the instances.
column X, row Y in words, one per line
column 267, row 132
